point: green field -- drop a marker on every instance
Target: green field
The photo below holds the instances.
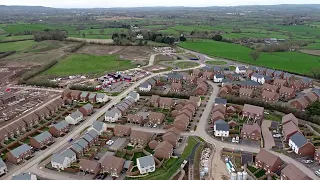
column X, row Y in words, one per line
column 88, row 36
column 17, row 46
column 14, row 28
column 288, row 61
column 184, row 65
column 5, row 38
column 88, row 64
column 216, row 62
column 312, row 46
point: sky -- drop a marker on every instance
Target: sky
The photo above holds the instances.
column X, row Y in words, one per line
column 144, row 3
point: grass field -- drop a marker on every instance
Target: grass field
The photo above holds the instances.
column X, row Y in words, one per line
column 5, row 38
column 287, row 61
column 216, row 62
column 183, row 65
column 312, row 46
column 88, row 64
column 17, row 46
column 14, row 28
column 88, row 36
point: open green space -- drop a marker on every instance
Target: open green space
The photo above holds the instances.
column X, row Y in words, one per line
column 17, row 46
column 273, row 117
column 19, row 27
column 88, row 64
column 184, row 65
column 88, row 36
column 9, row 38
column 312, row 46
column 216, row 62
column 287, row 61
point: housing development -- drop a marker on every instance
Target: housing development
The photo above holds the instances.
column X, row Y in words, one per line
column 129, row 107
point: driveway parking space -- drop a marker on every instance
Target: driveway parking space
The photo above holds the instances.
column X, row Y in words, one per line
column 267, row 135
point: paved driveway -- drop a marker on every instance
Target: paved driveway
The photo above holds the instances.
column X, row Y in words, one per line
column 267, row 135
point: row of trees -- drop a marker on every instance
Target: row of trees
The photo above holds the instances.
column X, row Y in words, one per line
column 49, row 35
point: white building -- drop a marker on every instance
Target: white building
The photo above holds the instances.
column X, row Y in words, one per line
column 258, row 78
column 221, row 128
column 112, row 115
column 240, row 70
column 3, row 167
column 100, row 127
column 101, row 98
column 300, row 145
column 25, row 176
column 145, row 87
column 218, row 78
column 63, row 160
column 74, row 118
column 139, row 36
column 146, row 164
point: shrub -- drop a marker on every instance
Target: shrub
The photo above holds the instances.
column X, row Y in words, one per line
column 35, row 72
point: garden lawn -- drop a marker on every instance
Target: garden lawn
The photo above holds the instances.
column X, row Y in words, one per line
column 88, row 64
column 287, row 61
column 16, row 46
column 216, row 62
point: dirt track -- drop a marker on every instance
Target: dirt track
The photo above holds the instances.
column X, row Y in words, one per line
column 312, row 52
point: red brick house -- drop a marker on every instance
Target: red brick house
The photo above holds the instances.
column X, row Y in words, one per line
column 156, row 117
column 140, row 138
column 252, row 112
column 201, row 89
column 59, row 129
column 135, row 119
column 208, row 75
column 280, row 82
column 251, row 132
column 191, row 79
column 121, row 131
column 270, row 87
column 216, row 116
column 196, row 72
column 220, row 107
column 287, row 93
column 270, row 96
column 155, row 100
column 41, row 140
column 291, row 172
column 317, row 156
column 75, row 95
column 245, row 93
column 300, row 103
column 289, row 129
column 176, row 87
column 165, row 103
column 297, row 85
column 181, row 122
column 89, row 166
column 17, row 155
column 86, row 109
column 300, row 145
column 163, row 150
column 289, row 117
column 268, row 161
column 311, row 97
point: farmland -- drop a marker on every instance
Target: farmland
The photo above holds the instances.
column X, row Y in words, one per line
column 17, row 46
column 9, row 38
column 88, row 64
column 288, row 61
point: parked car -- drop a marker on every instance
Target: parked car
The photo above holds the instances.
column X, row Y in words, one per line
column 70, row 140
column 308, row 161
column 155, row 125
column 317, row 173
column 277, row 135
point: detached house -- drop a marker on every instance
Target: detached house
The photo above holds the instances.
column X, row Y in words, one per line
column 240, row 69
column 165, row 103
column 63, row 160
column 176, row 87
column 196, row 100
column 41, row 140
column 269, row 87
column 221, row 128
column 258, row 78
column 134, row 118
column 280, row 82
column 288, row 77
column 101, row 98
column 74, row 118
column 291, row 172
column 252, row 112
column 287, row 93
column 134, row 95
column 140, row 138
column 269, row 72
column 270, row 96
column 278, row 74
column 289, row 117
column 181, row 122
column 146, row 164
column 218, row 78
column 86, row 109
column 84, row 96
column 300, row 103
column 18, row 154
column 112, row 165
column 155, row 100
column 191, row 79
column 246, row 93
column 268, row 161
column 92, row 98
column 306, row 82
column 75, row 95
column 24, row 176
column 121, row 131
column 201, row 89
column 156, row 117
column 145, row 87
column 216, row 116
column 208, row 75
column 175, row 77
column 98, row 126
column 251, row 132
column 300, row 145
column 112, row 115
column 163, row 150
column 90, row 166
column 288, row 130
column 59, row 129
column 196, row 72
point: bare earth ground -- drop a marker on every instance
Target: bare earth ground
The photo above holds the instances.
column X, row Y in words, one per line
column 126, row 52
column 312, row 52
column 103, row 41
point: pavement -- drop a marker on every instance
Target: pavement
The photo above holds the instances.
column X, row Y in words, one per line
column 267, row 135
